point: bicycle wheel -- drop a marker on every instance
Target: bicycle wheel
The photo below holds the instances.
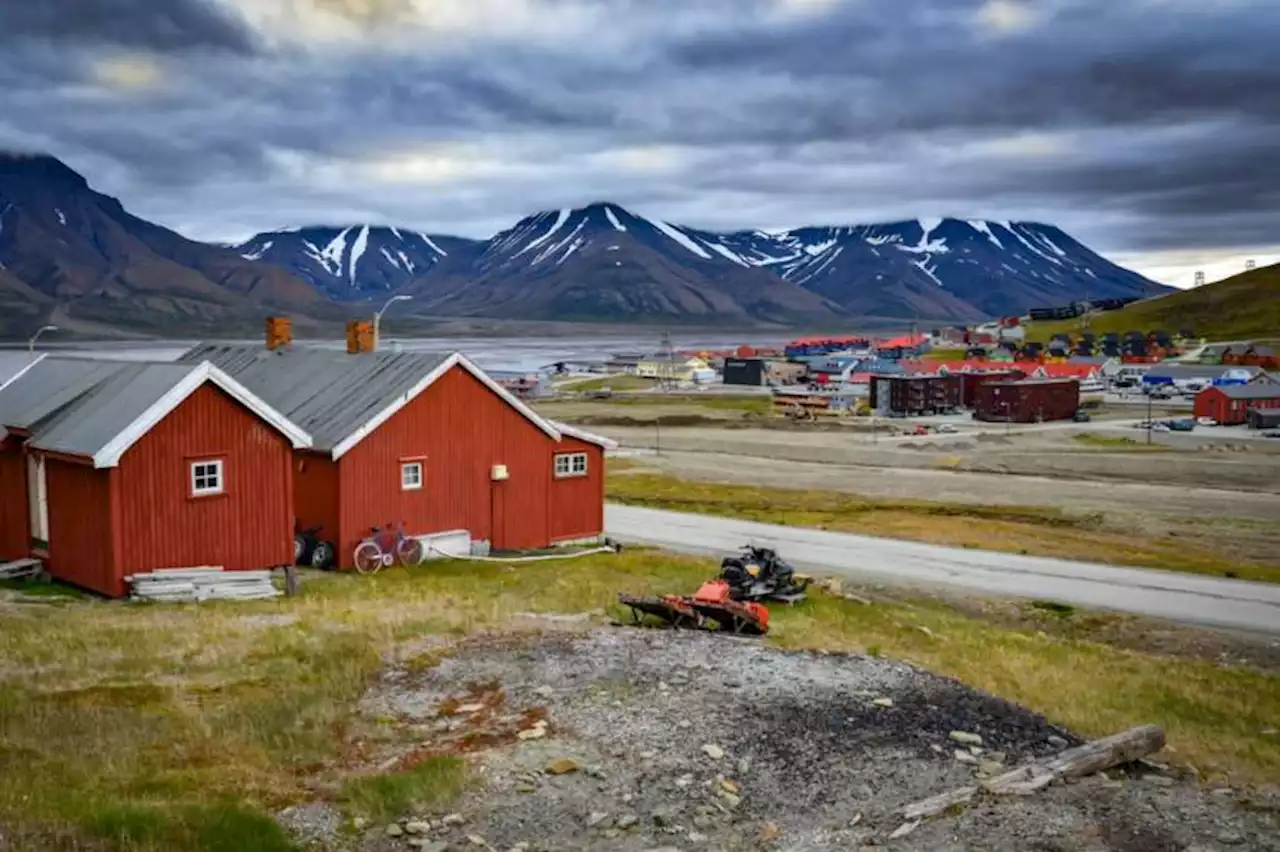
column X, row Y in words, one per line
column 410, row 551
column 368, row 558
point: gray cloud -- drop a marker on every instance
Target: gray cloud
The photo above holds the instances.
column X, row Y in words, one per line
column 166, row 25
column 1143, row 125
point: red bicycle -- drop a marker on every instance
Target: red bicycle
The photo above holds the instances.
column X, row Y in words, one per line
column 384, row 547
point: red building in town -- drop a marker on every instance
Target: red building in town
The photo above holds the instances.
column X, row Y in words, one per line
column 1230, row 404
column 428, row 441
column 112, row 468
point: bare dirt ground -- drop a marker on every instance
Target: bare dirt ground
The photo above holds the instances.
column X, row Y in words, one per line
column 651, row 740
column 1046, row 468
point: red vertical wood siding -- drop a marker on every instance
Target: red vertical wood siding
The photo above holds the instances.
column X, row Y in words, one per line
column 315, row 493
column 1211, row 402
column 577, row 502
column 82, row 543
column 249, row 525
column 14, row 535
column 463, row 429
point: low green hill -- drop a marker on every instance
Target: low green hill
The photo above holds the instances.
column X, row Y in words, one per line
column 1242, row 307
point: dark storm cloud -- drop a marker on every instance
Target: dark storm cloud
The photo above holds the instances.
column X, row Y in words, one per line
column 154, row 24
column 1160, row 114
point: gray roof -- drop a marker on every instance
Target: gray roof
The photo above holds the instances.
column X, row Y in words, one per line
column 11, row 363
column 78, row 406
column 326, row 392
column 1251, row 391
column 1194, row 371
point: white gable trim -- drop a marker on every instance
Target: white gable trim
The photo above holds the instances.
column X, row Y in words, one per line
column 457, row 359
column 109, row 456
column 582, row 435
column 23, row 371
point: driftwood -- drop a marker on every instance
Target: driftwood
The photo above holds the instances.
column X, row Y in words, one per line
column 1087, row 759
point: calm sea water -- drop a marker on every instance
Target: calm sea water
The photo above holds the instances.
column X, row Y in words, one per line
column 523, row 354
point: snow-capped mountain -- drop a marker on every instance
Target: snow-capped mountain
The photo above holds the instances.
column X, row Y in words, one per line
column 967, row 268
column 605, row 262
column 354, row 261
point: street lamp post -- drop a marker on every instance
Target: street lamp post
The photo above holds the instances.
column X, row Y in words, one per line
column 377, row 318
column 31, row 344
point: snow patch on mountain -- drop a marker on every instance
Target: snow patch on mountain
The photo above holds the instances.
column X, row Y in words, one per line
column 613, row 219
column 675, row 234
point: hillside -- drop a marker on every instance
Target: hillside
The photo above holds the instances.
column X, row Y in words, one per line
column 1237, row 308
column 67, row 249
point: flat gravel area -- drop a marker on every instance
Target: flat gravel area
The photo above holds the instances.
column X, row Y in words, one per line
column 637, row 739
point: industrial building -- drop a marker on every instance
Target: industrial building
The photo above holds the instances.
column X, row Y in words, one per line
column 1230, row 404
column 426, row 440
column 750, row 372
column 1027, row 401
column 110, row 468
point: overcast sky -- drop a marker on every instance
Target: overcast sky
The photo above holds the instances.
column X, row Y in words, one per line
column 1149, row 129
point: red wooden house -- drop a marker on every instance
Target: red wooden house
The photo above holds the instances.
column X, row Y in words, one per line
column 110, row 468
column 429, row 441
column 1230, row 404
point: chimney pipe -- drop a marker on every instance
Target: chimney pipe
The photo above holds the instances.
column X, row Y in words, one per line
column 359, row 337
column 279, row 333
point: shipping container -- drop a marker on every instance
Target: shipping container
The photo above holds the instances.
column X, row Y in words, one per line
column 1028, row 401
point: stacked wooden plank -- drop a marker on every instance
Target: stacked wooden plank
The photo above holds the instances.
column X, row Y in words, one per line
column 20, row 568
column 204, row 583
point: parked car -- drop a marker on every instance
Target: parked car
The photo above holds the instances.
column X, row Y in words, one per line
column 947, row 428
column 1081, row 416
column 1159, row 427
column 1184, row 425
column 1272, row 434
column 1206, row 421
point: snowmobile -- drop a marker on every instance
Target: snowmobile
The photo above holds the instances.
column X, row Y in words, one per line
column 759, row 574
column 710, row 608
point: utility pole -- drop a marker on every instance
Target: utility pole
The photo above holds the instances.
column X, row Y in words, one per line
column 1150, row 425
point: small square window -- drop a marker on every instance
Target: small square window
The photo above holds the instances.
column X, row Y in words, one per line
column 206, row 478
column 571, row 464
column 411, row 476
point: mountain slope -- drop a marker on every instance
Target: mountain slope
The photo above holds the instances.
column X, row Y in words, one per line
column 358, row 260
column 963, row 269
column 602, row 262
column 81, row 249
column 1237, row 308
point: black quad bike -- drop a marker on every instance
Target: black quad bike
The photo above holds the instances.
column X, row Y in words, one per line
column 310, row 549
column 759, row 574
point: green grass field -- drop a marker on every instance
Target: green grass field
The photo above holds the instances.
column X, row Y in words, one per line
column 1242, row 307
column 184, row 727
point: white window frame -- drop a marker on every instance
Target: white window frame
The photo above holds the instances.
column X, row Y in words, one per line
column 213, row 474
column 568, row 465
column 408, row 484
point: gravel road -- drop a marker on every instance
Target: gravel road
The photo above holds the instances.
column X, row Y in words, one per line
column 1187, row 598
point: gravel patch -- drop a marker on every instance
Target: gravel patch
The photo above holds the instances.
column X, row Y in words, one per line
column 631, row 740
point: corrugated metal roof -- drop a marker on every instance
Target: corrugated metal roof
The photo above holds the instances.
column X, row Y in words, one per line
column 78, row 406
column 1252, row 391
column 98, row 416
column 328, row 393
column 12, row 362
column 49, row 386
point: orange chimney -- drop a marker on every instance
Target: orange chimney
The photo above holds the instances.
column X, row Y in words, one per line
column 359, row 336
column 279, row 332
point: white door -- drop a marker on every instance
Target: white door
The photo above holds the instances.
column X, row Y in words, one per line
column 37, row 498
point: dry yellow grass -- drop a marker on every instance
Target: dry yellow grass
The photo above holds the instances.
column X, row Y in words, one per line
column 179, row 727
column 1031, row 530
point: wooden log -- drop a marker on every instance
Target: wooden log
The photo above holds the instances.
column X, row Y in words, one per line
column 1124, row 747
